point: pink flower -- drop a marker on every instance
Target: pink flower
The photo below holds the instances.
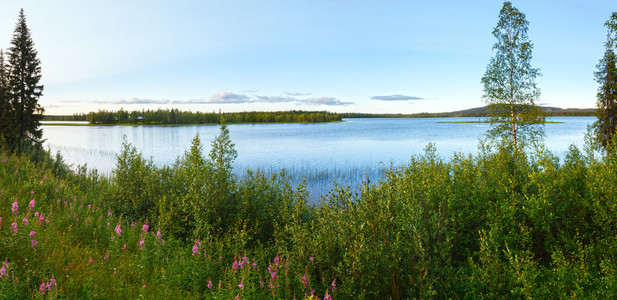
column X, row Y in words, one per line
column 42, row 287
column 32, row 233
column 145, row 228
column 124, row 247
column 141, row 244
column 25, row 221
column 31, row 204
column 333, row 284
column 36, row 214
column 143, row 286
column 15, row 208
column 327, row 296
column 196, row 250
column 33, row 243
column 311, row 259
column 305, row 281
column 90, row 260
column 118, row 229
column 14, row 225
column 210, row 284
column 241, row 286
column 158, row 233
column 41, row 218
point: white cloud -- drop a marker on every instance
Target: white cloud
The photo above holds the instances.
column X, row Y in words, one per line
column 396, row 97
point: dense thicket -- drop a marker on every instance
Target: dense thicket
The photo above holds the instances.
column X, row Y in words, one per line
column 493, row 225
column 174, row 116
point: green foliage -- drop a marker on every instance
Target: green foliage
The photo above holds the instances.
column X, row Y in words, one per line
column 499, row 224
column 137, row 185
column 606, row 76
column 509, row 83
column 175, row 116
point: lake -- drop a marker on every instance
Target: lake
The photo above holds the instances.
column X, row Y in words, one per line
column 320, row 152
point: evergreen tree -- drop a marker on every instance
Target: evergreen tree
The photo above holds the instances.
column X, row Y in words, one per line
column 606, row 76
column 24, row 89
column 509, row 82
column 4, row 100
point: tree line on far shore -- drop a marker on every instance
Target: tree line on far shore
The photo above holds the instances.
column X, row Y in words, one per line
column 175, row 116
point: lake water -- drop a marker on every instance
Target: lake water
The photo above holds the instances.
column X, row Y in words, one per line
column 320, row 152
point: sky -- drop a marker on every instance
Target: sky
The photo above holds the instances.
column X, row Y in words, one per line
column 334, row 55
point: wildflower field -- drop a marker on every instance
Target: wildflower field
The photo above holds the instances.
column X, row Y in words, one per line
column 493, row 225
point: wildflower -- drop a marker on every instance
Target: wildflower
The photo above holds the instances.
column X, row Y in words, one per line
column 14, row 225
column 327, row 296
column 305, row 281
column 32, row 233
column 36, row 214
column 25, row 221
column 33, row 243
column 261, row 283
column 141, row 244
column 15, row 208
column 89, row 206
column 41, row 182
column 3, row 269
column 241, row 286
column 143, row 286
column 41, row 218
column 237, row 297
column 210, row 284
column 311, row 259
column 31, row 204
column 145, row 228
column 90, row 260
column 52, row 281
column 109, row 213
column 333, row 284
column 118, row 229
column 42, row 287
column 158, row 233
column 124, row 247
column 106, row 257
column 276, row 260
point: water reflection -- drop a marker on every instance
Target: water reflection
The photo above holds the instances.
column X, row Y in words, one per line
column 320, row 152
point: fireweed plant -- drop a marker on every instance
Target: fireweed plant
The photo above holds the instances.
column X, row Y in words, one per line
column 497, row 224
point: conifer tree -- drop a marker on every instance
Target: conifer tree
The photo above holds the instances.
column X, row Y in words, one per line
column 4, row 100
column 509, row 82
column 24, row 89
column 606, row 76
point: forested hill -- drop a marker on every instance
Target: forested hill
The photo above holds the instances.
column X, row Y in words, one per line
column 174, row 116
column 475, row 112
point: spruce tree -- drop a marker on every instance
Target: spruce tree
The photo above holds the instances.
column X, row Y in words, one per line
column 4, row 100
column 509, row 82
column 24, row 89
column 606, row 76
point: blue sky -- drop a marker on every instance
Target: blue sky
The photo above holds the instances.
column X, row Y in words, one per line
column 335, row 55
